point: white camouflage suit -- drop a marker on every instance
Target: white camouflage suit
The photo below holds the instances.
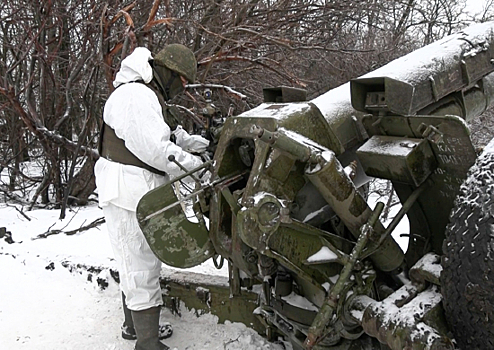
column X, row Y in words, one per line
column 134, row 112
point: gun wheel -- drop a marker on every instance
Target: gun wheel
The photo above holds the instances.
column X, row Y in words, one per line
column 467, row 279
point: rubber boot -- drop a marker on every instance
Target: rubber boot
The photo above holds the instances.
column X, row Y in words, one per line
column 128, row 331
column 146, row 325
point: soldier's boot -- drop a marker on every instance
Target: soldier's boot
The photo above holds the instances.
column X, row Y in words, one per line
column 146, row 325
column 128, row 331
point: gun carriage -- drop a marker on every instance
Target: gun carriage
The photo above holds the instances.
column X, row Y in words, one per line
column 286, row 206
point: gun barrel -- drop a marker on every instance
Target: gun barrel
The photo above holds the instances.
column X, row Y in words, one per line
column 433, row 76
column 452, row 76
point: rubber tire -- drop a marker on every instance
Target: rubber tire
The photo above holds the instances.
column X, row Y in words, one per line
column 467, row 279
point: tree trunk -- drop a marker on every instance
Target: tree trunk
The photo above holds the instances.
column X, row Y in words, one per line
column 83, row 184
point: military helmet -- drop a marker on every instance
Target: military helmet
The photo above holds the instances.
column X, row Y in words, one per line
column 180, row 59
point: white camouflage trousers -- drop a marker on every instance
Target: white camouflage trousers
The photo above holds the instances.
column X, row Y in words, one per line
column 138, row 267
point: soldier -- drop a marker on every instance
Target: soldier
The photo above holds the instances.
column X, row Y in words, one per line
column 134, row 147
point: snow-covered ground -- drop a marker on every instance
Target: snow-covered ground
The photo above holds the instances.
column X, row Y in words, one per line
column 45, row 306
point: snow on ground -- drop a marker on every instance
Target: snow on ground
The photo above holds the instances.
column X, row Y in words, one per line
column 45, row 306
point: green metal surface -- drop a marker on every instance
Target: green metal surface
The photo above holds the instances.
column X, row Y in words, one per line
column 174, row 239
column 450, row 142
column 284, row 94
column 329, row 307
column 340, row 192
column 434, row 82
column 277, row 239
column 198, row 293
column 400, row 159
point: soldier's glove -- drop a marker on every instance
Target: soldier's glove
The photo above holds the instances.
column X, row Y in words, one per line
column 190, row 143
column 205, row 178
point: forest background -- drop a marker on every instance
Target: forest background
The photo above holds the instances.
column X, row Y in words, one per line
column 58, row 59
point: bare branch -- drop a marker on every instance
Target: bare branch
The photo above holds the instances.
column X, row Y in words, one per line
column 93, row 224
column 228, row 89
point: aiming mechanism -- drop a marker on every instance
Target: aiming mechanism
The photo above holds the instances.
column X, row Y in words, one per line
column 285, row 204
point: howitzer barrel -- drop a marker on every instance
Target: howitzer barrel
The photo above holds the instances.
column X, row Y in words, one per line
column 451, row 76
column 454, row 71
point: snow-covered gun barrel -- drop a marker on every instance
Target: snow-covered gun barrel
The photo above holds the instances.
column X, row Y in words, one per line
column 286, row 206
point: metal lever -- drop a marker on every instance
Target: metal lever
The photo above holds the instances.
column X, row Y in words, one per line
column 172, row 159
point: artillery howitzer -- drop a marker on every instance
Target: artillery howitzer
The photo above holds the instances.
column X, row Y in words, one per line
column 285, row 207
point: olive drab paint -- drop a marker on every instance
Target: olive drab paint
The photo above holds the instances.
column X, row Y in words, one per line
column 180, row 59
